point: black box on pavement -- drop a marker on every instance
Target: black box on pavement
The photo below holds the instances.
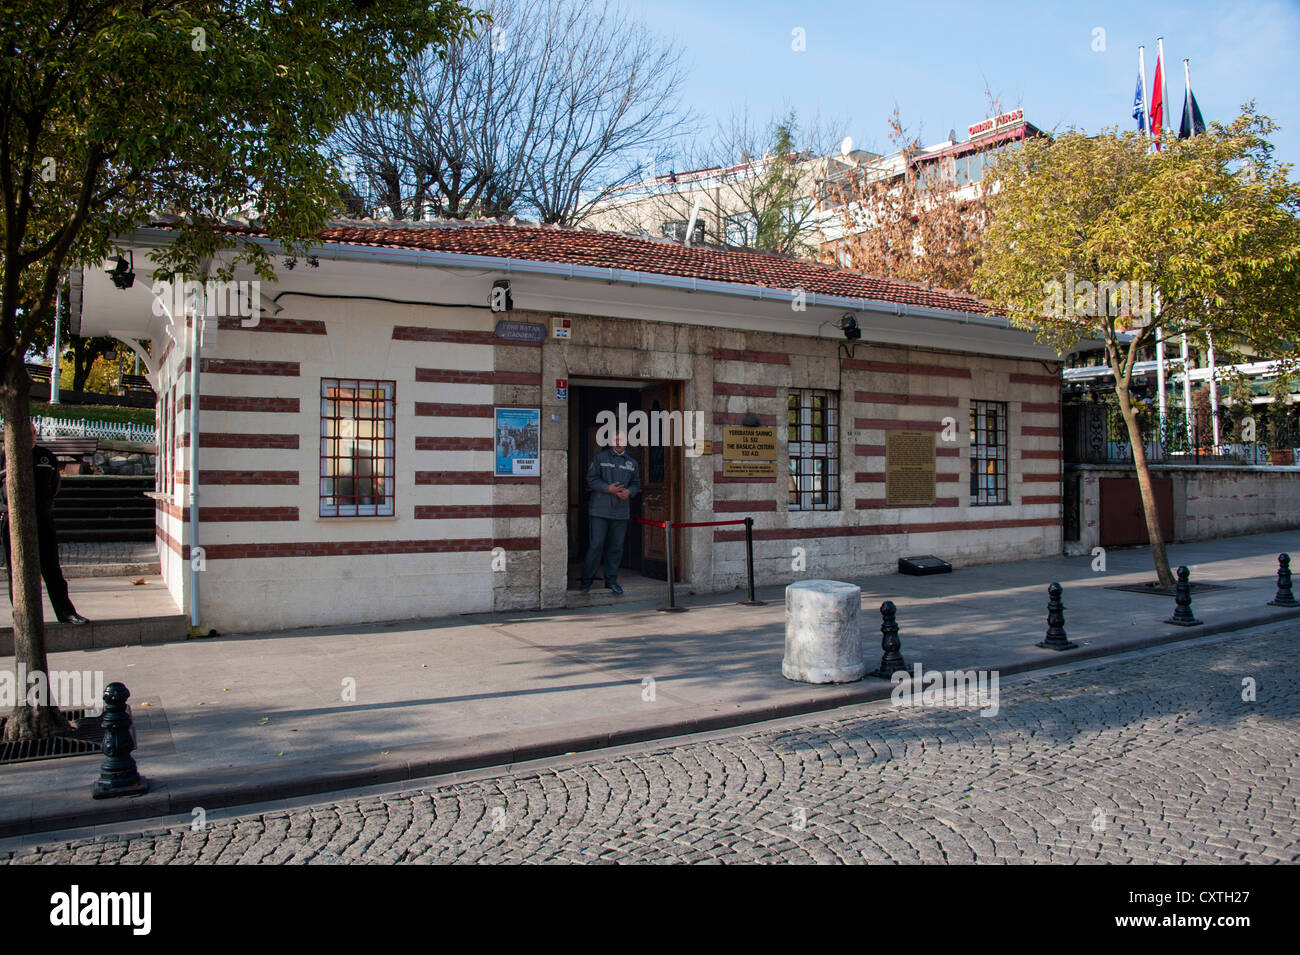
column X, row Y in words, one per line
column 923, row 566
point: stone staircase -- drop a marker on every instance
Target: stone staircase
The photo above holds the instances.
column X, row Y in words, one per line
column 104, row 508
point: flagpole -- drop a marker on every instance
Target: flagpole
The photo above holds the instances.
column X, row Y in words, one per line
column 1142, row 72
column 1160, row 344
column 1164, row 84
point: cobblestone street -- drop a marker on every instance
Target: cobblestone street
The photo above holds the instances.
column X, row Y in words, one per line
column 1153, row 759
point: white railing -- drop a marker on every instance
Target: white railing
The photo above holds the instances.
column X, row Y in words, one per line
column 48, row 427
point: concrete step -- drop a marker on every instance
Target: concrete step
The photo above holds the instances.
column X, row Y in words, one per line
column 137, row 631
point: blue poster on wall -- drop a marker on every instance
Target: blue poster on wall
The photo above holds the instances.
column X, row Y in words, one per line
column 518, row 442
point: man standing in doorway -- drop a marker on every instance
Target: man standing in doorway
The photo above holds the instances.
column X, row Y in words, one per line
column 614, row 479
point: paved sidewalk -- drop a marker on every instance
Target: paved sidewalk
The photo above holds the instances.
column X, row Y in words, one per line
column 240, row 719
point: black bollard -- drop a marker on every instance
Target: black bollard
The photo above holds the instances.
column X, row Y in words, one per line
column 1284, row 596
column 892, row 661
column 118, row 775
column 1183, row 601
column 1056, row 638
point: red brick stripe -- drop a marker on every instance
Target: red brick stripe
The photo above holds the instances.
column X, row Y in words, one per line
column 1030, row 407
column 363, row 548
column 763, row 357
column 1040, row 478
column 452, row 376
column 286, row 326
column 224, row 514
column 453, row 444
column 894, row 368
column 435, row 512
column 893, row 424
column 876, row 503
column 869, row 477
column 1021, row 379
column 1048, row 455
column 461, row 336
column 740, row 507
column 1041, row 499
column 243, row 403
column 947, row 478
column 243, row 477
column 720, row 478
column 443, row 409
column 795, row 533
column 228, row 514
column 1032, row 431
column 226, row 439
column 764, row 420
column 237, row 366
column 469, row 477
column 748, row 391
column 888, row 398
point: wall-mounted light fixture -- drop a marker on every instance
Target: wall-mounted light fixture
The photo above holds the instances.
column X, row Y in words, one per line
column 501, row 300
column 849, row 326
column 123, row 275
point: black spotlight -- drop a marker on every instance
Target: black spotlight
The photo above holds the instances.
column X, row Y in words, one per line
column 122, row 274
column 501, row 300
column 849, row 325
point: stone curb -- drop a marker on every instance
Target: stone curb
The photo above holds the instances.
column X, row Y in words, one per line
column 285, row 780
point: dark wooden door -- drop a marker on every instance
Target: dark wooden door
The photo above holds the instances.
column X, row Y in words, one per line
column 661, row 483
column 1122, row 519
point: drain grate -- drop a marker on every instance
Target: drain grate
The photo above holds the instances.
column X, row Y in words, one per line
column 86, row 740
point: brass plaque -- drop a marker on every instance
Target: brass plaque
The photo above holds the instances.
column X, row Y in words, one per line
column 909, row 468
column 749, row 444
column 748, row 468
column 749, row 452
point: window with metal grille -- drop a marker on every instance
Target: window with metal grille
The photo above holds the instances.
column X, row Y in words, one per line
column 988, row 452
column 357, row 447
column 814, row 447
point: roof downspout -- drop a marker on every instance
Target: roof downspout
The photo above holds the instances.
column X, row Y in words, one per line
column 196, row 332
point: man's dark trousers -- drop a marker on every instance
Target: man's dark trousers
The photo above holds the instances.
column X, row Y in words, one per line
column 55, row 584
column 607, row 536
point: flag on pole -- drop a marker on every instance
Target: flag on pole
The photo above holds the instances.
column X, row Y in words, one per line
column 1158, row 102
column 1192, row 124
column 1140, row 106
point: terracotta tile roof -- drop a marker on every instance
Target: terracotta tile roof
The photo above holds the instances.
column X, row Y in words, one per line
column 591, row 247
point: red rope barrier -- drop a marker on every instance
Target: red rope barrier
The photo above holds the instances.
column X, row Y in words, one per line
column 641, row 520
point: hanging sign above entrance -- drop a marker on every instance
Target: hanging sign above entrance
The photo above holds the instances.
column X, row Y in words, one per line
column 749, row 452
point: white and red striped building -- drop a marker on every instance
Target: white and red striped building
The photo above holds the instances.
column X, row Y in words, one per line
column 389, row 343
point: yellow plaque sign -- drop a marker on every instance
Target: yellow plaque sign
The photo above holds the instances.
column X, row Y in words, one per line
column 749, row 452
column 909, row 468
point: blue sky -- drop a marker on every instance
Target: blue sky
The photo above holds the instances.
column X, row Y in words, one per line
column 933, row 60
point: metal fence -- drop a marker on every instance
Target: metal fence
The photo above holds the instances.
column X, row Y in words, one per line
column 48, row 427
column 1095, row 433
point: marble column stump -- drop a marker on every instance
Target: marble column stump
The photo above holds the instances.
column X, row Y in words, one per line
column 823, row 638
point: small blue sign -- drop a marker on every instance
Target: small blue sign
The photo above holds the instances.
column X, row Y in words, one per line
column 521, row 331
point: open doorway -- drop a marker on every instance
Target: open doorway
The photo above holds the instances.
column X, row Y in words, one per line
column 644, row 557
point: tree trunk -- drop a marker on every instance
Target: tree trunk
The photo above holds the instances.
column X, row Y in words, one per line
column 25, row 721
column 1158, row 553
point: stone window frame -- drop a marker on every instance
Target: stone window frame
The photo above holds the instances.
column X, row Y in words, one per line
column 382, row 454
column 804, row 451
column 983, row 453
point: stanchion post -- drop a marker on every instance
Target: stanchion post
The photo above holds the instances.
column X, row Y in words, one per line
column 668, row 549
column 749, row 564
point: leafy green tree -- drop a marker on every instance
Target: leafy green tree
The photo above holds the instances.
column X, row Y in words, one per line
column 112, row 112
column 1208, row 228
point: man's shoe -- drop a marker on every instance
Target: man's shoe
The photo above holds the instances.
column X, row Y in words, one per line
column 585, row 588
column 74, row 618
column 616, row 589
